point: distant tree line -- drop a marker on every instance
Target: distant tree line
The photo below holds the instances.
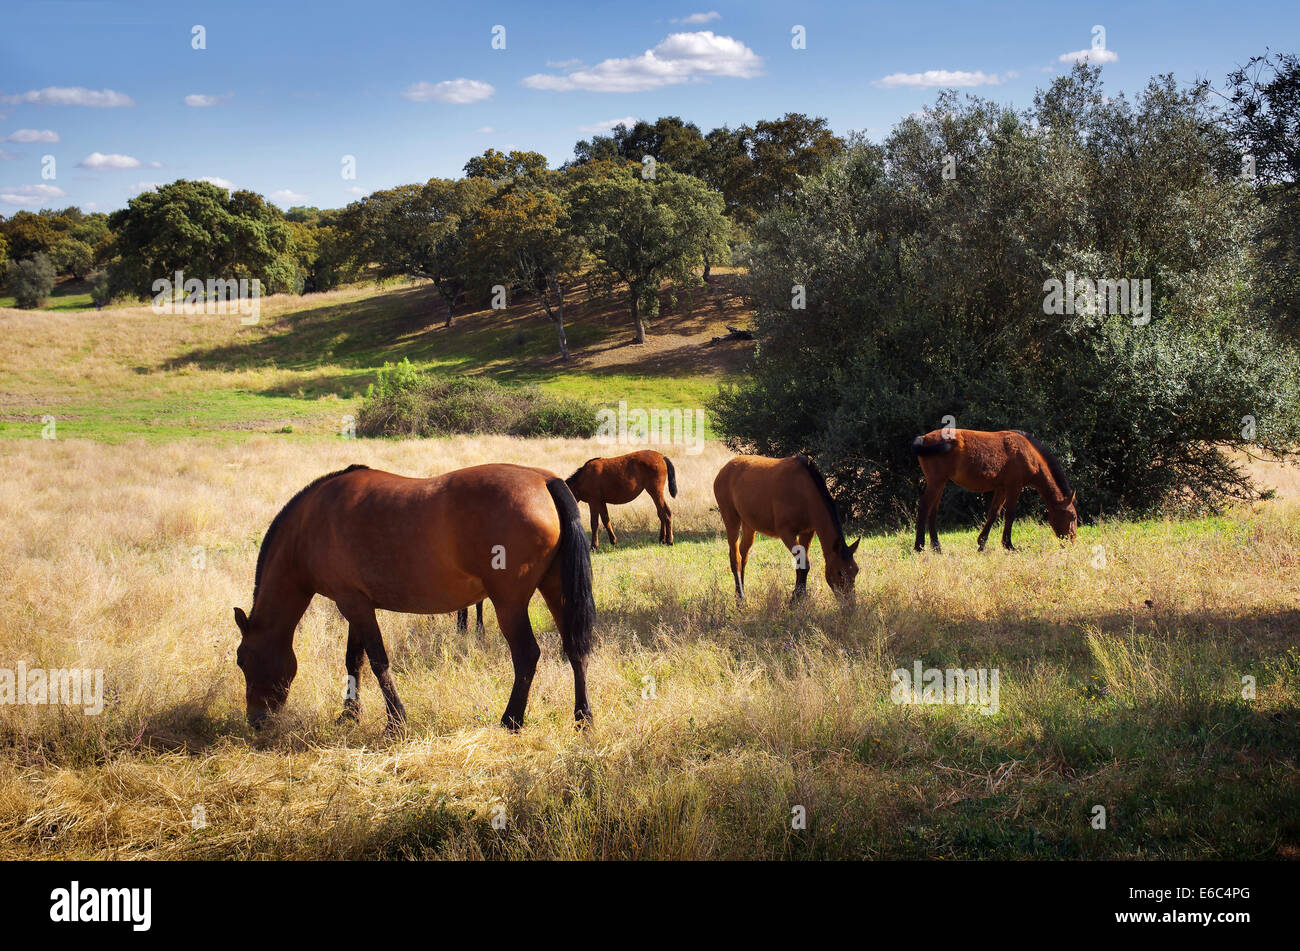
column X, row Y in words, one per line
column 644, row 204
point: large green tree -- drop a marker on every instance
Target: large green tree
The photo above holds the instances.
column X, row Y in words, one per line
column 923, row 268
column 420, row 231
column 524, row 236
column 204, row 231
column 644, row 230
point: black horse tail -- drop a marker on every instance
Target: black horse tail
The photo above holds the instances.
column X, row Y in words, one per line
column 920, row 448
column 672, row 477
column 577, row 599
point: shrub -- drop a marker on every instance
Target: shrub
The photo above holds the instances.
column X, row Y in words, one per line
column 31, row 281
column 404, row 402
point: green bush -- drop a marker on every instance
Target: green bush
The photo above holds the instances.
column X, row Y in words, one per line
column 404, row 402
column 30, row 281
column 925, row 298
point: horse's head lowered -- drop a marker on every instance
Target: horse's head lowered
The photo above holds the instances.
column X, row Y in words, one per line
column 841, row 569
column 1064, row 518
column 268, row 670
column 581, row 482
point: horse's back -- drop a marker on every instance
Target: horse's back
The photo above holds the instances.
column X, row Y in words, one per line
column 755, row 488
column 424, row 546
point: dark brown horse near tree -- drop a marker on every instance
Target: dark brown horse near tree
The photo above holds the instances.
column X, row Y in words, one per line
column 620, row 479
column 785, row 499
column 369, row 540
column 1002, row 463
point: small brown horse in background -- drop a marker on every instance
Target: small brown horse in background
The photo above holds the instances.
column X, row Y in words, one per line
column 620, row 479
column 786, row 499
column 372, row 540
column 1002, row 463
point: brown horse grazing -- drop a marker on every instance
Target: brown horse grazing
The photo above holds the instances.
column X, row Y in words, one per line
column 785, row 499
column 1002, row 463
column 620, row 479
column 368, row 540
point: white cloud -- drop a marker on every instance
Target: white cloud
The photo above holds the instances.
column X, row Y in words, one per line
column 71, row 96
column 33, row 135
column 682, row 57
column 200, row 100
column 219, row 182
column 287, row 196
column 100, row 160
column 32, row 196
column 7, row 156
column 454, row 91
column 563, row 63
column 485, row 130
column 1095, row 57
column 608, row 124
column 695, row 18
column 139, row 187
column 939, row 77
column 356, row 190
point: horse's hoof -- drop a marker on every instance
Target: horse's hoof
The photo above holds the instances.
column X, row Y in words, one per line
column 513, row 724
column 348, row 718
column 583, row 719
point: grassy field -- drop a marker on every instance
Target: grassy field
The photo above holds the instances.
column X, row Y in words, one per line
column 125, row 372
column 126, row 541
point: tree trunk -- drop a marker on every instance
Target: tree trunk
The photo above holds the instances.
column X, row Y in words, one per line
column 708, row 266
column 635, row 294
column 450, row 301
column 559, row 320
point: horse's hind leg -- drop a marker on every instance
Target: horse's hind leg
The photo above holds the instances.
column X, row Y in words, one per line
column 551, row 590
column 462, row 619
column 1013, row 496
column 656, row 491
column 524, row 653
column 604, row 517
column 928, row 511
column 361, row 617
column 999, row 500
column 356, row 653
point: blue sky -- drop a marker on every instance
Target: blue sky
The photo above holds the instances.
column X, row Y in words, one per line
column 280, row 95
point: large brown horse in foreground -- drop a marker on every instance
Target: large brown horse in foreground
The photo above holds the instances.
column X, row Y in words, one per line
column 620, row 479
column 369, row 540
column 785, row 499
column 1002, row 463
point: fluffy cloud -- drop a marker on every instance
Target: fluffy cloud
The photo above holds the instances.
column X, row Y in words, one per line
column 606, row 125
column 682, row 57
column 71, row 96
column 287, row 196
column 33, row 196
column 1093, row 57
column 697, row 18
column 219, row 182
column 139, row 187
column 33, row 135
column 939, row 77
column 200, row 100
column 100, row 160
column 454, row 91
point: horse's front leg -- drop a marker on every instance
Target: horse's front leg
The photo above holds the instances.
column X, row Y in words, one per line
column 356, row 653
column 1013, row 498
column 361, row 615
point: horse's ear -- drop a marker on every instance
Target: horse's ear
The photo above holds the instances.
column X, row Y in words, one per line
column 241, row 620
column 1073, row 496
column 853, row 548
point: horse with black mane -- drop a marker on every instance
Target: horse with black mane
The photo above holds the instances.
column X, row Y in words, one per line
column 1003, row 463
column 786, row 499
column 370, row 540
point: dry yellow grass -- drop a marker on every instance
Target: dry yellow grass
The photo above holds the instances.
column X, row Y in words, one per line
column 130, row 557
